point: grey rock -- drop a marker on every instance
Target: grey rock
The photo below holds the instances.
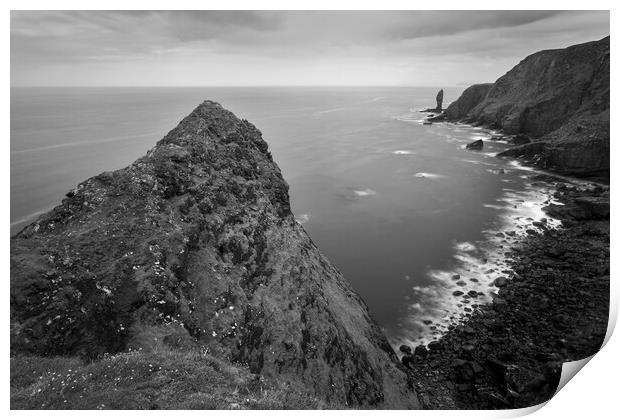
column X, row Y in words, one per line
column 206, row 216
column 475, row 145
column 405, row 349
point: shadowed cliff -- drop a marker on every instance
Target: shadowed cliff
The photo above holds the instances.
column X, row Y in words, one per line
column 559, row 98
column 194, row 247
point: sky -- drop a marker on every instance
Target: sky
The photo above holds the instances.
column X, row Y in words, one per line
column 285, row 48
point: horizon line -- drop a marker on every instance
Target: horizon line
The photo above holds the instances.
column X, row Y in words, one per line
column 236, row 86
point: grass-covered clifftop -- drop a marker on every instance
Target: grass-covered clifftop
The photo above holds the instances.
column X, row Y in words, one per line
column 164, row 379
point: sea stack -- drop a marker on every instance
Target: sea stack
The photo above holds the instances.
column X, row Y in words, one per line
column 439, row 99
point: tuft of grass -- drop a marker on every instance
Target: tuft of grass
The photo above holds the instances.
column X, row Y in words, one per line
column 148, row 380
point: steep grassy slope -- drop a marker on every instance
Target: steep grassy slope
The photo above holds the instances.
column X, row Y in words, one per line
column 148, row 380
column 195, row 246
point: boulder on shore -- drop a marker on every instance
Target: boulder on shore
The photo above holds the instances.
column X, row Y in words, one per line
column 475, row 145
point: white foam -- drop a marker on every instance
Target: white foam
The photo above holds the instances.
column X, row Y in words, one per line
column 518, row 165
column 475, row 264
column 403, row 152
column 465, row 246
column 483, row 261
column 493, row 206
column 30, row 217
column 364, row 193
column 302, row 218
column 329, row 111
column 428, row 175
column 408, row 118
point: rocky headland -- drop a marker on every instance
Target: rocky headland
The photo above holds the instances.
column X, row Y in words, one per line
column 192, row 252
column 558, row 100
column 552, row 303
column 184, row 281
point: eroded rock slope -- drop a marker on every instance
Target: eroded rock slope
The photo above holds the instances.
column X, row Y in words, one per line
column 560, row 98
column 194, row 246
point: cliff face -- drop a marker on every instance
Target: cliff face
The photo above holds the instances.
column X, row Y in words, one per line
column 194, row 246
column 468, row 100
column 558, row 97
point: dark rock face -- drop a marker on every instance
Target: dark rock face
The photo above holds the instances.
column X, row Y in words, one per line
column 469, row 99
column 580, row 147
column 195, row 243
column 475, row 145
column 438, row 108
column 520, row 140
column 559, row 97
column 595, row 208
column 439, row 99
column 526, row 150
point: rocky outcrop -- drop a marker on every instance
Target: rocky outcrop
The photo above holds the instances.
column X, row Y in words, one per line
column 438, row 108
column 469, row 99
column 475, row 145
column 439, row 100
column 194, row 246
column 519, row 140
column 557, row 97
column 524, row 150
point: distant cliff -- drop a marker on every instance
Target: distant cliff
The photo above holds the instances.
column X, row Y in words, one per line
column 560, row 98
column 194, row 246
column 468, row 100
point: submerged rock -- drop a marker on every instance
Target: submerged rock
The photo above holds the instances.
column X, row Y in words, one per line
column 196, row 243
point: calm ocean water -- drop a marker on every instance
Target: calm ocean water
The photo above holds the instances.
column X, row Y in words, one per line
column 397, row 206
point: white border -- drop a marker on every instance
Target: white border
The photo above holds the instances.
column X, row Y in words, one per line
column 592, row 395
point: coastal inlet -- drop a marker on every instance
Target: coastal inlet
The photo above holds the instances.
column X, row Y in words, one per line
column 478, row 267
column 396, row 205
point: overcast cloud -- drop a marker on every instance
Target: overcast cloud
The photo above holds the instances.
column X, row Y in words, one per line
column 193, row 48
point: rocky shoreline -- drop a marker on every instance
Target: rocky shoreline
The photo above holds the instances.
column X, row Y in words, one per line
column 469, row 281
column 551, row 307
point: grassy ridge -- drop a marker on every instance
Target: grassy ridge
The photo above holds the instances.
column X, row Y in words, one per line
column 147, row 380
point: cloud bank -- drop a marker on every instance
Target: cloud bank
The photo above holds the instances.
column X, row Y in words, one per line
column 197, row 48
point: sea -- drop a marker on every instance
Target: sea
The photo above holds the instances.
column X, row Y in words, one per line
column 402, row 209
